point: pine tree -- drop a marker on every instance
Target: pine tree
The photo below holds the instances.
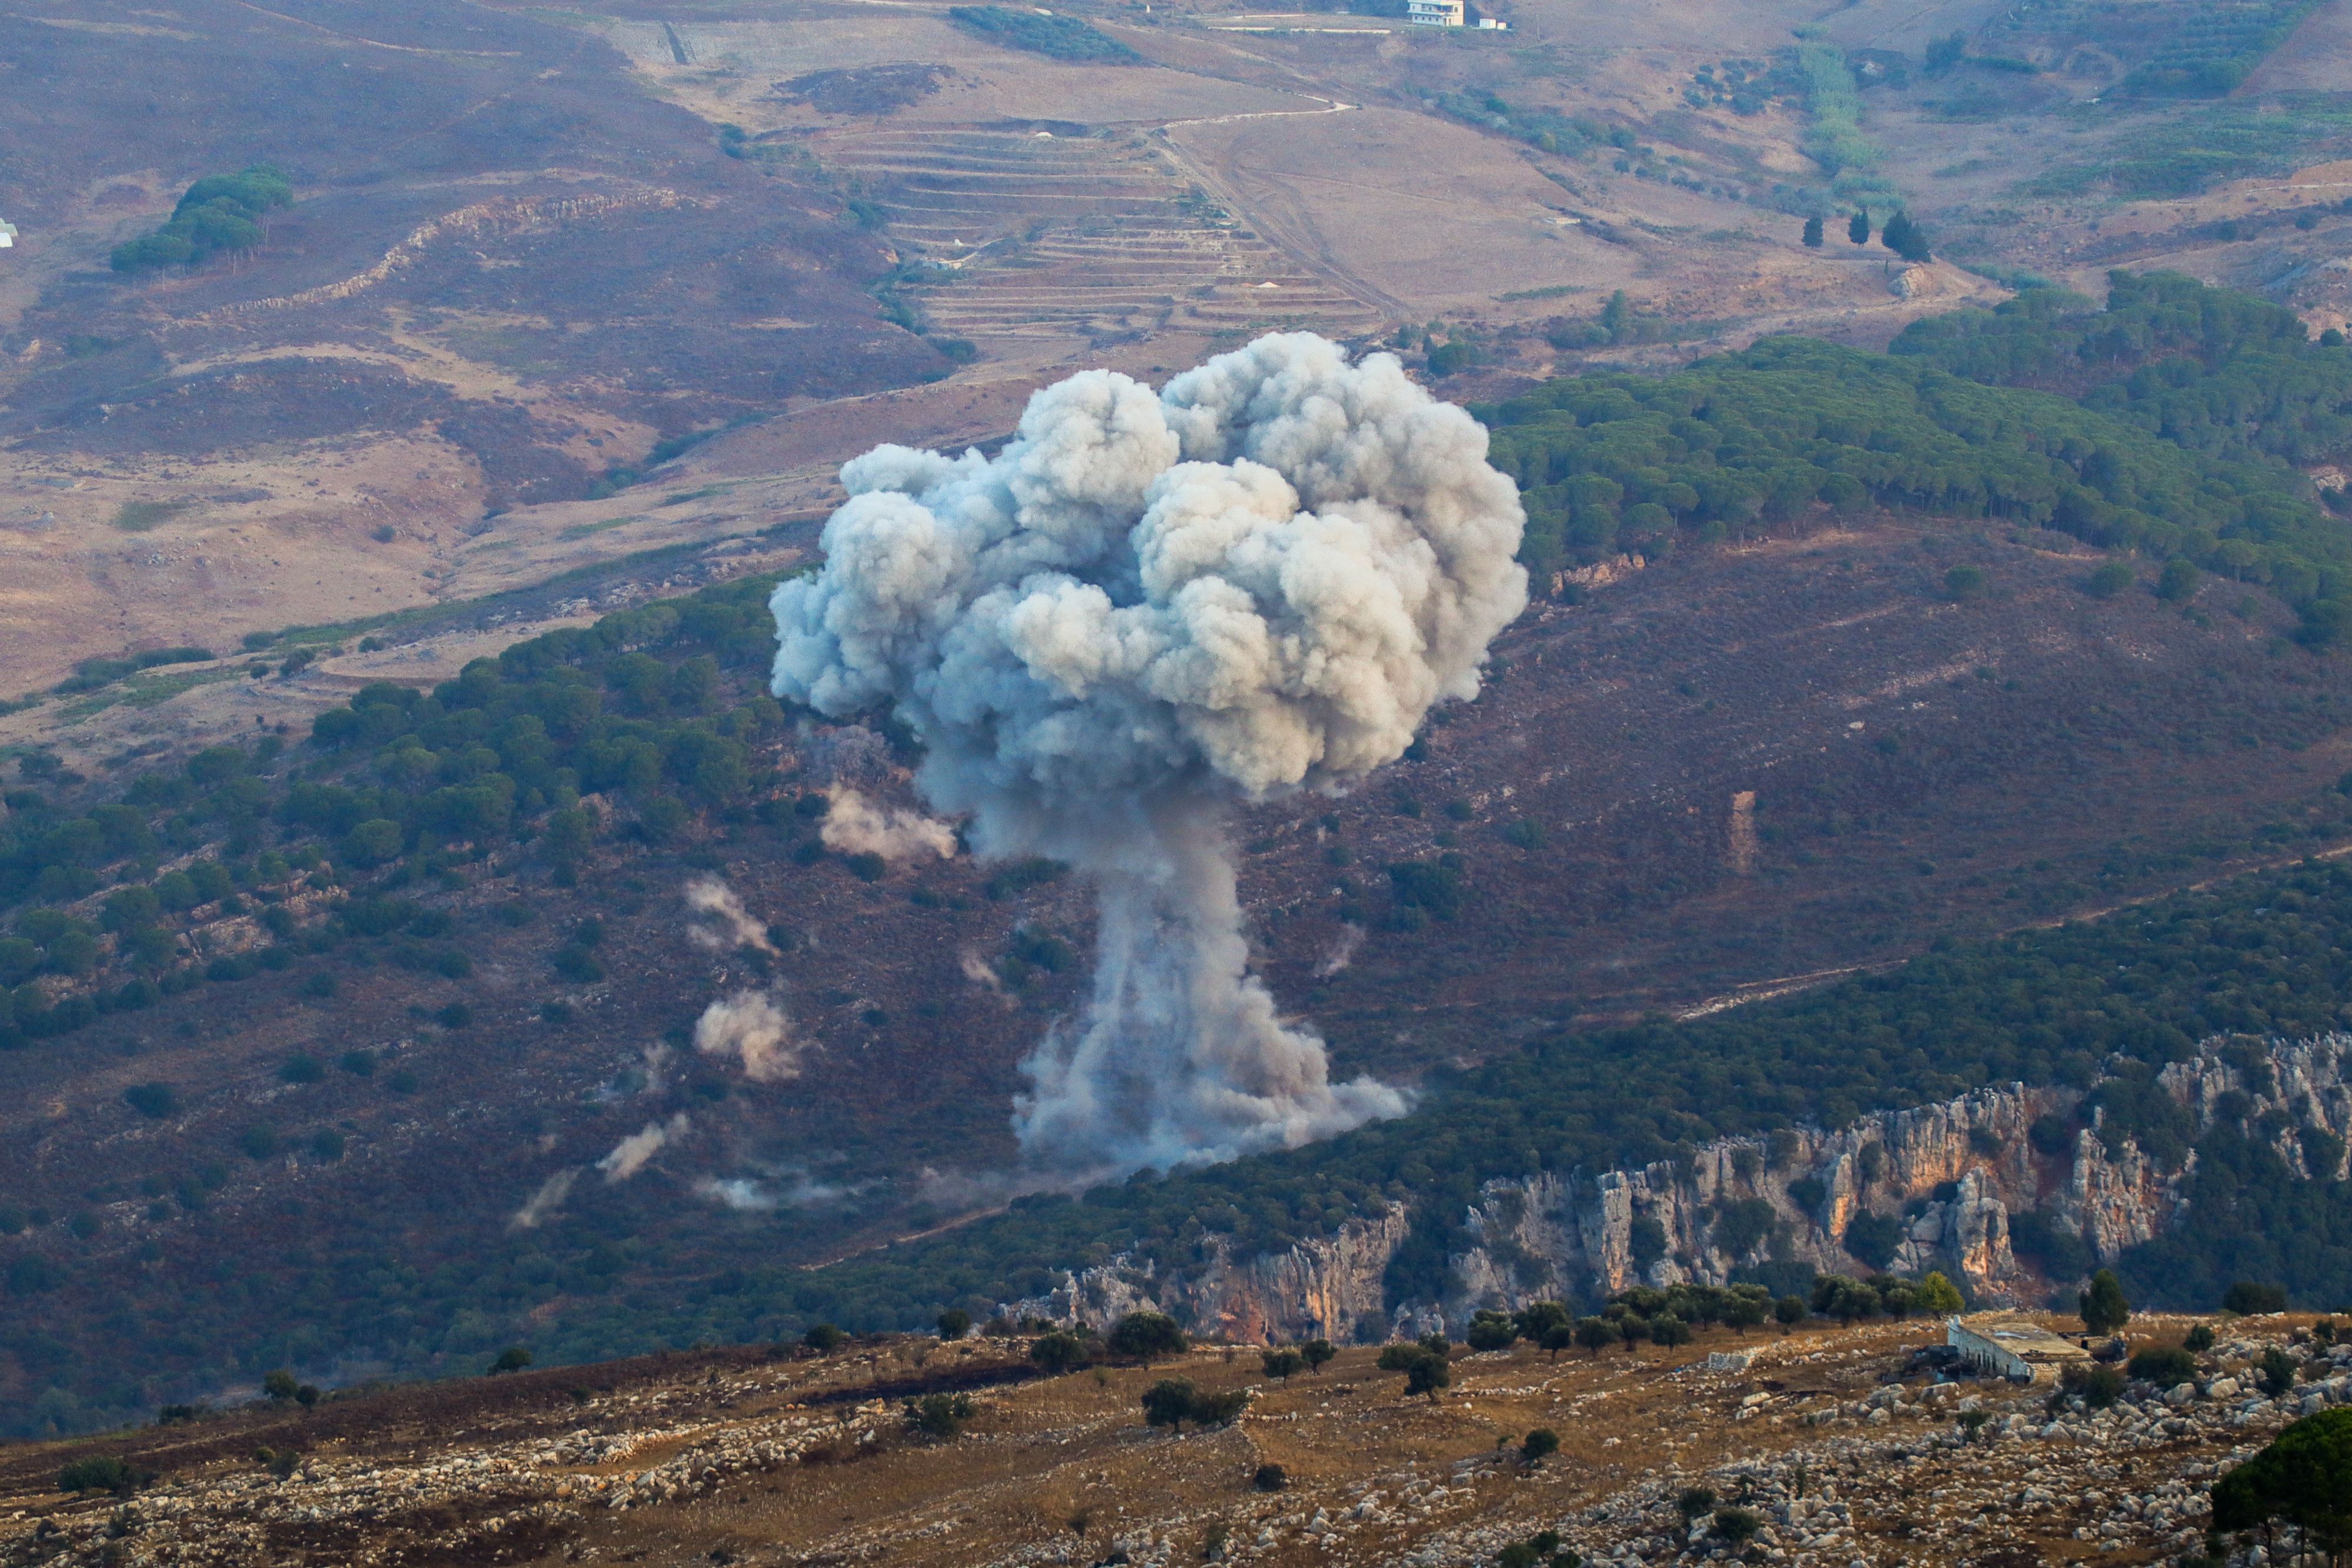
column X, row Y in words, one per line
column 1858, row 230
column 1814, row 232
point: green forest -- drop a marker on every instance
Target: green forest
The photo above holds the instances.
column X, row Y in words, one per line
column 2167, row 423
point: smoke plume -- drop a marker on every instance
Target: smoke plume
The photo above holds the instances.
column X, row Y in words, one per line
column 632, row 1153
column 546, row 1200
column 750, row 1027
column 718, row 920
column 1144, row 609
column 855, row 826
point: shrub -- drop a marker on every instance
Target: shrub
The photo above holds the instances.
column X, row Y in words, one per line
column 2096, row 1387
column 156, row 1100
column 2200, row 1340
column 2249, row 1299
column 2167, row 1366
column 102, row 1473
column 954, row 1323
column 258, row 1142
column 938, row 1416
column 1538, row 1445
column 823, row 1339
column 301, row 1068
column 514, row 1358
column 1270, row 1477
column 2108, row 581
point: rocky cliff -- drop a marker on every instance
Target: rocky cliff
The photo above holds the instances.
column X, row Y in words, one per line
column 1930, row 1187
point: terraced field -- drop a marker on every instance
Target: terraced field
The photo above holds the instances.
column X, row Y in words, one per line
column 1047, row 235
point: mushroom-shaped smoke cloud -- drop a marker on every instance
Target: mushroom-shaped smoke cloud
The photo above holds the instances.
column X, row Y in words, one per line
column 1147, row 607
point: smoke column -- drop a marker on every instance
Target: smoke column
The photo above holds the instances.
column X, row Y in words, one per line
column 1145, row 607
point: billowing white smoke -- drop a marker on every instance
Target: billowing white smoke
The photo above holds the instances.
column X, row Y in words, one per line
column 750, row 1027
column 855, row 826
column 634, row 1153
column 718, row 920
column 1144, row 607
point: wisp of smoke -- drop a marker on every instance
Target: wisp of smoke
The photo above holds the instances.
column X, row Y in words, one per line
column 750, row 1027
column 1143, row 609
column 855, row 826
column 546, row 1200
column 1342, row 953
column 718, row 920
column 632, row 1153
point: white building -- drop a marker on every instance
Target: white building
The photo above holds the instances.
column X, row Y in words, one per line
column 1434, row 12
column 2013, row 1348
column 8, row 234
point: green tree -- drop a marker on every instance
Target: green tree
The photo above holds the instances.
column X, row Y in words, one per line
column 1595, row 1334
column 2303, row 1481
column 1146, row 1336
column 954, row 1323
column 1814, row 232
column 1316, row 1353
column 1743, row 1313
column 1668, row 1330
column 1491, row 1331
column 1617, row 317
column 1538, row 1445
column 823, row 1338
column 1857, row 228
column 1938, row 1295
column 514, row 1358
column 2102, row 1307
column 280, row 1385
column 1428, row 1375
column 2177, row 582
column 1170, row 1402
column 1058, row 1352
column 2249, row 1299
column 1281, row 1364
column 1789, row 1312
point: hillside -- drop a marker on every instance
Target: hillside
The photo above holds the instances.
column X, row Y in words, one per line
column 1829, row 1444
column 583, row 918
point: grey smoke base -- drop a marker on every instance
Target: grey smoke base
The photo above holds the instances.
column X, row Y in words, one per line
column 1146, row 607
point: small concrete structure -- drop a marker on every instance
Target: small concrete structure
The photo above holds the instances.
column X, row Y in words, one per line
column 1730, row 1360
column 2013, row 1348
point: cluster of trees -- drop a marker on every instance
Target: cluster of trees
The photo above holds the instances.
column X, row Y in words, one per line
column 659, row 709
column 2169, row 423
column 1041, row 33
column 219, row 213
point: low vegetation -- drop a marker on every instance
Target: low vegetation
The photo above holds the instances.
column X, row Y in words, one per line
column 1041, row 33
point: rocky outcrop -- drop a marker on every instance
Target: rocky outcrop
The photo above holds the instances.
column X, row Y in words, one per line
column 1930, row 1187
